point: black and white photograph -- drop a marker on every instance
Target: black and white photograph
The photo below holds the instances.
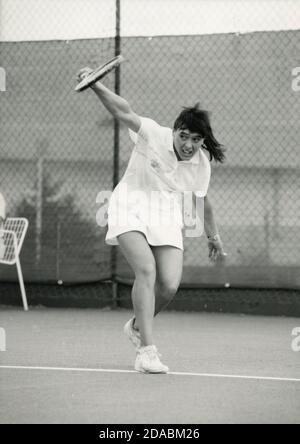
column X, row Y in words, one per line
column 149, row 214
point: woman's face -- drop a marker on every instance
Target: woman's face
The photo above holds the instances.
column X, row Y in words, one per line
column 186, row 143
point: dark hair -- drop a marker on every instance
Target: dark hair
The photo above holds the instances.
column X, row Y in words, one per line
column 197, row 120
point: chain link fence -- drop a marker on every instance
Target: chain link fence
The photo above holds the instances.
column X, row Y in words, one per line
column 58, row 148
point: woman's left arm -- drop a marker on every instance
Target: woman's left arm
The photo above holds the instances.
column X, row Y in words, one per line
column 215, row 245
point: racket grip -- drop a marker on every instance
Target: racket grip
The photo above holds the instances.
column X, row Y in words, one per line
column 88, row 82
column 83, row 85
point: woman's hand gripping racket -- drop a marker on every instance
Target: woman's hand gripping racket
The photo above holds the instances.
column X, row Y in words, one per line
column 87, row 77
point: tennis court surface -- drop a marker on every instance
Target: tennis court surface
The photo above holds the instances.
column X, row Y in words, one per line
column 76, row 366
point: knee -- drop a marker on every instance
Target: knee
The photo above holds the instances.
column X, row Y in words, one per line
column 167, row 289
column 147, row 272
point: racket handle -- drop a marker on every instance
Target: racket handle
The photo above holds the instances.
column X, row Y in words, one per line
column 84, row 84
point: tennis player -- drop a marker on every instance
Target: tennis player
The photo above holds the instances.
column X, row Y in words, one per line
column 145, row 213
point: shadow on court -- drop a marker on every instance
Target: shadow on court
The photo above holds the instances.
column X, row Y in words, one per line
column 221, row 369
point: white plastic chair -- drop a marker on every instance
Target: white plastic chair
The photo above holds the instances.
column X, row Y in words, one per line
column 13, row 234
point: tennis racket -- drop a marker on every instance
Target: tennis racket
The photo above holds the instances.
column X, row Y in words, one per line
column 99, row 73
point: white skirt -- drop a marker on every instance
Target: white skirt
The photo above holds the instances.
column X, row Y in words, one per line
column 157, row 226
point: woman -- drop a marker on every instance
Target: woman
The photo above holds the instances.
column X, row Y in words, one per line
column 145, row 211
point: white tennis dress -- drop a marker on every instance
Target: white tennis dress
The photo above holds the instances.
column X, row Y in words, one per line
column 149, row 196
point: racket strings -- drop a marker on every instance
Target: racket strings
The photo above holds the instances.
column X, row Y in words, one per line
column 13, row 229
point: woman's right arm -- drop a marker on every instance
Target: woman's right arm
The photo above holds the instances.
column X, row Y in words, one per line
column 115, row 104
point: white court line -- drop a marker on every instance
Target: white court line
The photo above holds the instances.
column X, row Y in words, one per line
column 107, row 370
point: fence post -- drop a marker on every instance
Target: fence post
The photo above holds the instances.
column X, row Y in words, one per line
column 116, row 166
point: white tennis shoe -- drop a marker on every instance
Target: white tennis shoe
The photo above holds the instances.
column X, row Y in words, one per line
column 132, row 334
column 147, row 361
